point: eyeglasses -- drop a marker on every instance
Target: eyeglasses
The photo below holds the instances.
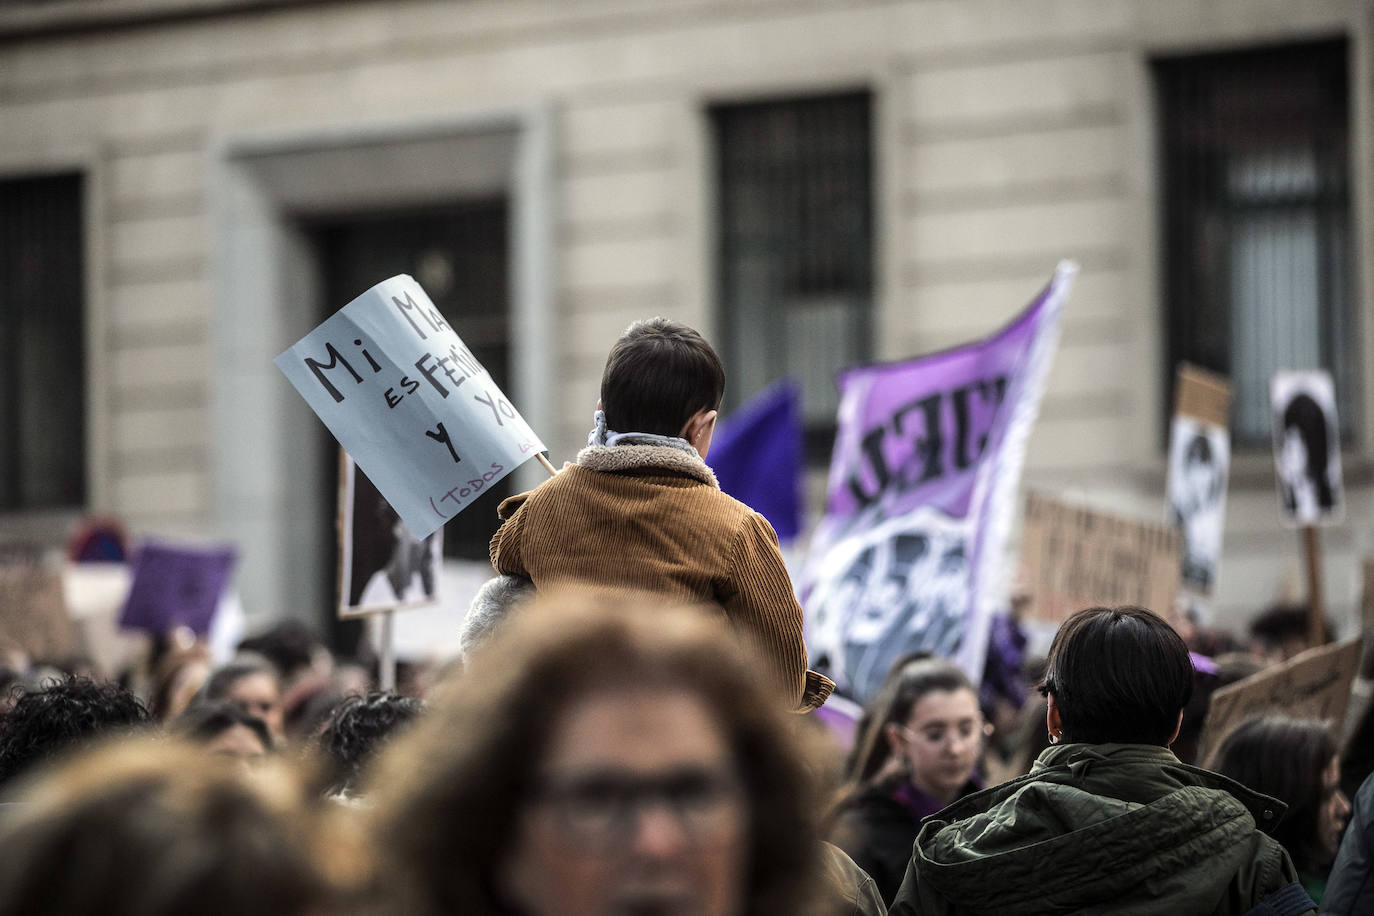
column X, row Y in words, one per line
column 601, row 810
column 964, row 731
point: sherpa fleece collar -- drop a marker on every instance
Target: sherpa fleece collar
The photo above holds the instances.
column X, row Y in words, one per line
column 641, row 457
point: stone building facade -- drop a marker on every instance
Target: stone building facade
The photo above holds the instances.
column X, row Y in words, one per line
column 215, row 144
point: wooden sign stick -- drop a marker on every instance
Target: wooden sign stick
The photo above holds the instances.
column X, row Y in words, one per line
column 546, row 463
column 386, row 674
column 1316, row 613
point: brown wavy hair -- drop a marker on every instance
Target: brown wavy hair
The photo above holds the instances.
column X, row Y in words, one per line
column 153, row 827
column 448, row 795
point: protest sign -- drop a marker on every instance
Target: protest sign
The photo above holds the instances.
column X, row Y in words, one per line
column 1075, row 557
column 1312, row 685
column 756, row 454
column 1307, row 448
column 927, row 460
column 382, row 565
column 33, row 615
column 1367, row 594
column 1199, row 460
column 176, row 587
column 406, row 398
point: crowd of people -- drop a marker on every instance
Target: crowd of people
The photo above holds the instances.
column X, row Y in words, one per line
column 631, row 729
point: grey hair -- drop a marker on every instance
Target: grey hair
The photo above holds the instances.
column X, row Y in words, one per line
column 487, row 612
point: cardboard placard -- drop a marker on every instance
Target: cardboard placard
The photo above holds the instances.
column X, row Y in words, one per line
column 1075, row 557
column 33, row 615
column 1203, row 395
column 382, row 565
column 1307, row 448
column 1312, row 685
column 407, row 399
column 1199, row 464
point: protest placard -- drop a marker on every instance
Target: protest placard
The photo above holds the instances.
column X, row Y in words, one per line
column 176, row 587
column 1314, row 684
column 33, row 615
column 1199, row 460
column 1307, row 448
column 382, row 565
column 409, row 402
column 1075, row 557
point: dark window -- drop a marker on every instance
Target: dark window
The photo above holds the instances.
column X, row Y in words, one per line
column 1257, row 267
column 795, row 257
column 43, row 339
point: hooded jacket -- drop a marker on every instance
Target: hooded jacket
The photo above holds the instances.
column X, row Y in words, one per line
column 1099, row 828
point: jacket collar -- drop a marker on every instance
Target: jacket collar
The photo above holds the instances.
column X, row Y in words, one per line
column 636, row 457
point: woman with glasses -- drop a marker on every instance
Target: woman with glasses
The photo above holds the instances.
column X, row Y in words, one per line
column 602, row 757
column 917, row 754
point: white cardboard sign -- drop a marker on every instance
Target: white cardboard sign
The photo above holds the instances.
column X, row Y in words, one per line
column 407, row 399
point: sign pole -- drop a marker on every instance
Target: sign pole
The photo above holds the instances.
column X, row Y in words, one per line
column 547, row 465
column 386, row 675
column 1316, row 613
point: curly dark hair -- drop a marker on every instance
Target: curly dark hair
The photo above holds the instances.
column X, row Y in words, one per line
column 358, row 728
column 61, row 716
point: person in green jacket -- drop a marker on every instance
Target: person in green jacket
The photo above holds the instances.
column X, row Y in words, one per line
column 1108, row 820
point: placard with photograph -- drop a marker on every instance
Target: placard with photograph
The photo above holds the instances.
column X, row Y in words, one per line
column 1307, row 448
column 383, row 566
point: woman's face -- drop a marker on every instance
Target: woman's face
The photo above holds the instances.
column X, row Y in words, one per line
column 638, row 809
column 941, row 741
column 1335, row 811
column 238, row 742
column 258, row 695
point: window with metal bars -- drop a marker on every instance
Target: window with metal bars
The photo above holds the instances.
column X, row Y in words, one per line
column 1256, row 232
column 43, row 341
column 795, row 248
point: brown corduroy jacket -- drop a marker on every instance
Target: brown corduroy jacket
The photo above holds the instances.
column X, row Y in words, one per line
column 653, row 517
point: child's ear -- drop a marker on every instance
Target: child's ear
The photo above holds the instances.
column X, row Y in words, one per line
column 698, row 430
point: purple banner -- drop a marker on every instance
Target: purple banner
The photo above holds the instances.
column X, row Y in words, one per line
column 922, row 484
column 176, row 586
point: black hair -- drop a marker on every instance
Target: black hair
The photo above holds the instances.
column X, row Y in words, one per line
column 62, row 716
column 358, row 729
column 1280, row 623
column 202, row 723
column 1304, row 415
column 659, row 374
column 223, row 679
column 1284, row 758
column 1118, row 676
column 290, row 646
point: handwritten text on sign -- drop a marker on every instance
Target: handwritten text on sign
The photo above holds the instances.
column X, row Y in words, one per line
column 407, row 399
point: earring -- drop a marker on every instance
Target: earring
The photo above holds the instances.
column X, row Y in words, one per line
column 1054, row 738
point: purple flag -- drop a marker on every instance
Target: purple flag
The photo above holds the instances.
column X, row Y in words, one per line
column 920, row 499
column 176, row 586
column 757, row 456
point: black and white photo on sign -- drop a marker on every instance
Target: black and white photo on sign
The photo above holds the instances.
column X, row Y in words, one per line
column 384, row 566
column 1199, row 457
column 1307, row 448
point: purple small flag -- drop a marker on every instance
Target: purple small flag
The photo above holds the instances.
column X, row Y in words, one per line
column 757, row 456
column 176, row 586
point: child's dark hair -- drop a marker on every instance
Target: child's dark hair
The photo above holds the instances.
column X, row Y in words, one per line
column 658, row 375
